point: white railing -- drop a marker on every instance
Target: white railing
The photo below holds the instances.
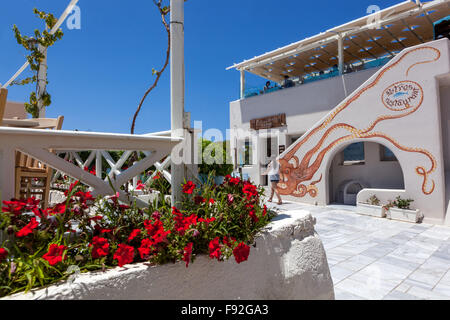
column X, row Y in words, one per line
column 37, row 143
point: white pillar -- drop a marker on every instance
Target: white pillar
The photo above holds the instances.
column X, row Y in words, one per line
column 42, row 81
column 177, row 89
column 341, row 54
column 242, row 83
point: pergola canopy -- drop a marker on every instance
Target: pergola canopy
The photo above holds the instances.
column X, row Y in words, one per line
column 381, row 34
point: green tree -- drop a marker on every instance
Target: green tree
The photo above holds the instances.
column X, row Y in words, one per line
column 36, row 45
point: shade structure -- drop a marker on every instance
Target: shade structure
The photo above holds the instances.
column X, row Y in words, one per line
column 379, row 35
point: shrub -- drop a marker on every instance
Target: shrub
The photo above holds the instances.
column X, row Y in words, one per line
column 373, row 200
column 220, row 163
column 83, row 233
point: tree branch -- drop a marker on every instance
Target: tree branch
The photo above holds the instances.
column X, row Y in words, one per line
column 163, row 11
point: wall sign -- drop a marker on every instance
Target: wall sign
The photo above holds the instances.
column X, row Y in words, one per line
column 268, row 122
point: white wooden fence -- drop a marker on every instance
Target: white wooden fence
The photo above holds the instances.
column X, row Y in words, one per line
column 37, row 143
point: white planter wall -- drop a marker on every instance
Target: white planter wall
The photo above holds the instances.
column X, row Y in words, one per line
column 288, row 262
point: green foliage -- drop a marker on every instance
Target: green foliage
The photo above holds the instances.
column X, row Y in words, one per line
column 373, row 200
column 400, row 203
column 230, row 214
column 211, row 162
column 32, row 44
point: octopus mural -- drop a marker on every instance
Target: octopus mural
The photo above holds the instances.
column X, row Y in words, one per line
column 299, row 177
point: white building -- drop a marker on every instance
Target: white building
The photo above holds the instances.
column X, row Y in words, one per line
column 366, row 112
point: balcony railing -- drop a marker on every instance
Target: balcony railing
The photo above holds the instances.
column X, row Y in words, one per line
column 312, row 77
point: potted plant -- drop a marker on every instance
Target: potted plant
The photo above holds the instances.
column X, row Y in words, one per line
column 372, row 207
column 400, row 209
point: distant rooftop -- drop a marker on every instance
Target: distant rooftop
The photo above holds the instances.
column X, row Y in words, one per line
column 382, row 34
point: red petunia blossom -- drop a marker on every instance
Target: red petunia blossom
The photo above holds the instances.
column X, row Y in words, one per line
column 253, row 215
column 187, row 254
column 207, row 220
column 96, row 218
column 189, row 187
column 60, row 208
column 134, row 234
column 147, row 247
column 265, row 211
column 28, row 228
column 101, row 247
column 72, row 186
column 54, row 254
column 250, row 190
column 199, row 200
column 241, row 252
column 124, row 254
column 229, row 241
column 156, row 215
column 214, row 249
column 211, row 201
column 158, row 176
column 156, row 231
column 3, row 254
column 106, row 230
column 232, row 181
column 140, row 185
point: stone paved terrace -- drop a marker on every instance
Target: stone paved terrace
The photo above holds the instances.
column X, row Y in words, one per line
column 374, row 258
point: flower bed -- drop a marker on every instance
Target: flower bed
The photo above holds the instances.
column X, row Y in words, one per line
column 42, row 246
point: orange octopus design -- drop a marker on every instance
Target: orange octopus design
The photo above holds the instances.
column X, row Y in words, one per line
column 296, row 174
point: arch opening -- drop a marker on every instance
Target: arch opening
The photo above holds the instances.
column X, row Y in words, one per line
column 362, row 165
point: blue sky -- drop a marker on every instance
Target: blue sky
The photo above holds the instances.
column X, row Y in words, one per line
column 98, row 74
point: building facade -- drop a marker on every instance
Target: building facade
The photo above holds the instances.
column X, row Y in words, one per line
column 365, row 112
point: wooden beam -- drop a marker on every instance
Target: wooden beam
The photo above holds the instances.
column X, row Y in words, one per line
column 3, row 99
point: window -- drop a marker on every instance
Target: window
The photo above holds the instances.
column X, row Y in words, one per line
column 354, row 154
column 245, row 153
column 386, row 154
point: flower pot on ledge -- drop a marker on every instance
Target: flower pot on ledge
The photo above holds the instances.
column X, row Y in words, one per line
column 371, row 210
column 406, row 215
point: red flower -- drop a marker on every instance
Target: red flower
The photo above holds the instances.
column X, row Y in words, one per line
column 241, row 252
column 60, row 208
column 253, row 215
column 124, row 255
column 106, row 230
column 229, row 242
column 199, row 199
column 146, row 248
column 158, row 176
column 214, row 249
column 3, row 254
column 207, row 220
column 187, row 254
column 28, row 228
column 250, row 190
column 189, row 187
column 140, row 185
column 265, row 211
column 211, row 201
column 101, row 247
column 156, row 215
column 134, row 234
column 232, row 181
column 54, row 254
column 156, row 231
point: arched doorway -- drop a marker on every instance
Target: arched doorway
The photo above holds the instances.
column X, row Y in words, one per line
column 362, row 165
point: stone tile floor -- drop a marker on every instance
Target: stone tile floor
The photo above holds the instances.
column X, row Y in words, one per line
column 373, row 258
